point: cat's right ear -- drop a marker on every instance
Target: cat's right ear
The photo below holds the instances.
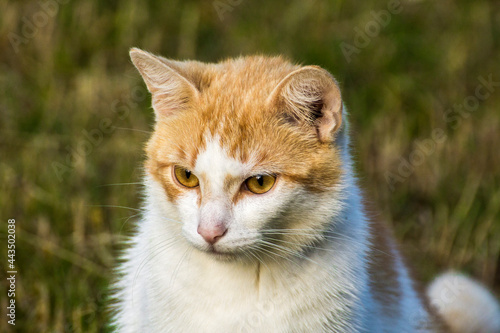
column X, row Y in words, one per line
column 170, row 90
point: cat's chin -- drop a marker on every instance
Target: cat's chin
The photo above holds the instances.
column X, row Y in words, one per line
column 221, row 256
column 224, row 255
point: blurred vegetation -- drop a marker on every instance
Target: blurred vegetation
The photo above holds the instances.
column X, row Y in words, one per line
column 71, row 73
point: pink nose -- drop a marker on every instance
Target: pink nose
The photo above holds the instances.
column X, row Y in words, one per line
column 212, row 233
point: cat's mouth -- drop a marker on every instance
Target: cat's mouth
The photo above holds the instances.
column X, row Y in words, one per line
column 220, row 255
column 235, row 248
column 224, row 253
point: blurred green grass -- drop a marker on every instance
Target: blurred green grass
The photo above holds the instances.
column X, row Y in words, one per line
column 73, row 72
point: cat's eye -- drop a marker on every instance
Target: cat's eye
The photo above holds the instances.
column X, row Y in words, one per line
column 185, row 177
column 260, row 184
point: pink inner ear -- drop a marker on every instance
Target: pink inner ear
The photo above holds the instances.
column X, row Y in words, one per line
column 331, row 118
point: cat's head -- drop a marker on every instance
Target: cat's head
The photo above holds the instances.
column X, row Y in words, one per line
column 246, row 152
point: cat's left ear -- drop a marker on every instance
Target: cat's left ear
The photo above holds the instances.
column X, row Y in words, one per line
column 310, row 96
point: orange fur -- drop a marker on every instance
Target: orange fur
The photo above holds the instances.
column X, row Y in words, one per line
column 242, row 120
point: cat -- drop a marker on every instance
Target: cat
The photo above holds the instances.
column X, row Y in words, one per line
column 253, row 221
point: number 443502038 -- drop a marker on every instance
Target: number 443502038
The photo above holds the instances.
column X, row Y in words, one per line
column 11, row 247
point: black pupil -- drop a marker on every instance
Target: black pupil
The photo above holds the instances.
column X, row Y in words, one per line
column 188, row 174
column 260, row 180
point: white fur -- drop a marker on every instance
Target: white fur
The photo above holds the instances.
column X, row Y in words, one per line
column 466, row 305
column 170, row 284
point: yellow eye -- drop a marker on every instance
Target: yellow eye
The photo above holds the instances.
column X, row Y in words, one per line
column 260, row 184
column 185, row 177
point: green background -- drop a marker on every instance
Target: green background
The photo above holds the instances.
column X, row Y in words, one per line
column 69, row 76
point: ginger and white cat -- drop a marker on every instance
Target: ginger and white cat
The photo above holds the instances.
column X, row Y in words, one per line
column 253, row 221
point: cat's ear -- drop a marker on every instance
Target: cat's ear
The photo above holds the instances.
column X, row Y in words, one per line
column 171, row 90
column 310, row 95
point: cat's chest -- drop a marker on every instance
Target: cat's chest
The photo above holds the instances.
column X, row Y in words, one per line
column 200, row 298
column 241, row 311
column 231, row 312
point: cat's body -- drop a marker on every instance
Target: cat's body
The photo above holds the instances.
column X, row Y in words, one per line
column 271, row 234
